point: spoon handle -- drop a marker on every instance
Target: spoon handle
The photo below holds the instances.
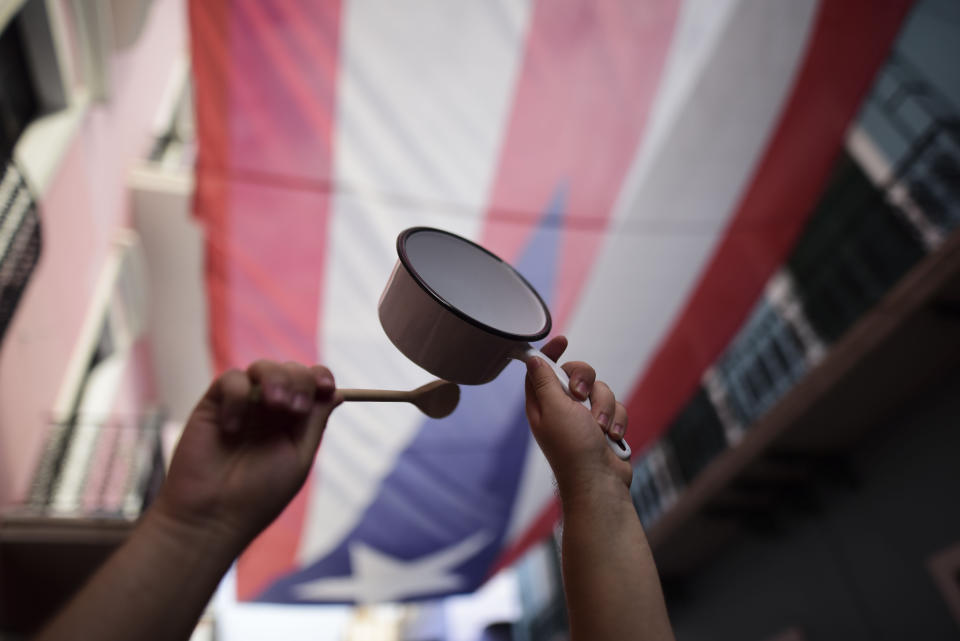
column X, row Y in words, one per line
column 375, row 395
column 368, row 395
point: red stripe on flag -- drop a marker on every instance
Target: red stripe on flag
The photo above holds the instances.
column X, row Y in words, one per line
column 851, row 39
column 584, row 92
column 265, row 82
column 209, row 44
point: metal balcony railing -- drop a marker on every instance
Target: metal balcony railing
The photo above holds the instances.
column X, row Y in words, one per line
column 20, row 241
column 92, row 468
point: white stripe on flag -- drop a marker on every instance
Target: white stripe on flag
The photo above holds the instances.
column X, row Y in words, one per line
column 422, row 101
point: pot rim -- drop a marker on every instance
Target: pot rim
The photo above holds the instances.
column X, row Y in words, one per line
column 405, row 261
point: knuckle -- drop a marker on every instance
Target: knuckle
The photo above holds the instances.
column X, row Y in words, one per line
column 581, row 370
column 294, row 367
column 233, row 384
column 260, row 366
column 321, row 369
column 603, row 402
column 232, row 374
column 299, row 373
column 225, row 383
column 277, row 377
column 232, row 379
column 321, row 378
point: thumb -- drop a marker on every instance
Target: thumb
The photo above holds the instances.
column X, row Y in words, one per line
column 546, row 386
column 316, row 424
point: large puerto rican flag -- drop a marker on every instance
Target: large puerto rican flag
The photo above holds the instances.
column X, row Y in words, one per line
column 646, row 164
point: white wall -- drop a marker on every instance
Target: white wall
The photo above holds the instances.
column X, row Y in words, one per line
column 178, row 327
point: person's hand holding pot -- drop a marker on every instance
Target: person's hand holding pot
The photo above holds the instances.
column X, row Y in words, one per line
column 570, row 435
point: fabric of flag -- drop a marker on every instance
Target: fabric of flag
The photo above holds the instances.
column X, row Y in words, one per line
column 646, row 165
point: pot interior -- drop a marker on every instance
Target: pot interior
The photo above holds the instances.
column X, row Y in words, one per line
column 475, row 283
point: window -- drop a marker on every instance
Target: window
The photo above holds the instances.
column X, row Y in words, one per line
column 18, row 99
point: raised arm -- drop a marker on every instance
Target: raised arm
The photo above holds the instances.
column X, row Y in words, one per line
column 238, row 463
column 610, row 581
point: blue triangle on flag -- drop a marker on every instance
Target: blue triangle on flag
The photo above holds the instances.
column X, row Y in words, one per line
column 446, row 505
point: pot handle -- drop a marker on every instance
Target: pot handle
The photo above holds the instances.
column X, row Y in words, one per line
column 620, row 448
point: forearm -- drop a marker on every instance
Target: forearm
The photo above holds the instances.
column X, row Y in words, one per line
column 154, row 587
column 611, row 583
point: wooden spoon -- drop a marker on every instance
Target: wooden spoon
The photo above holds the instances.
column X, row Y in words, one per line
column 436, row 399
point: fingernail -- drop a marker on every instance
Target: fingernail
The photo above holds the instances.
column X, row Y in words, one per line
column 581, row 389
column 278, row 394
column 325, row 382
column 300, row 402
column 533, row 363
column 616, row 431
column 603, row 419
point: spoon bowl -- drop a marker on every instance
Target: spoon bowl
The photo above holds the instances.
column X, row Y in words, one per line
column 437, row 399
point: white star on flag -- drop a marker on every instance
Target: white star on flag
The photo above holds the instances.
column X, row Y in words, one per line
column 378, row 577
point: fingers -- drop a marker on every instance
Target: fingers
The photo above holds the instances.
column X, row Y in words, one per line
column 581, row 375
column 323, row 379
column 271, row 395
column 603, row 405
column 303, row 387
column 289, row 386
column 316, row 424
column 272, row 381
column 610, row 414
column 552, row 350
column 555, row 347
column 619, row 427
column 543, row 381
column 530, row 398
column 233, row 388
column 582, row 378
column 326, row 391
column 309, row 391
